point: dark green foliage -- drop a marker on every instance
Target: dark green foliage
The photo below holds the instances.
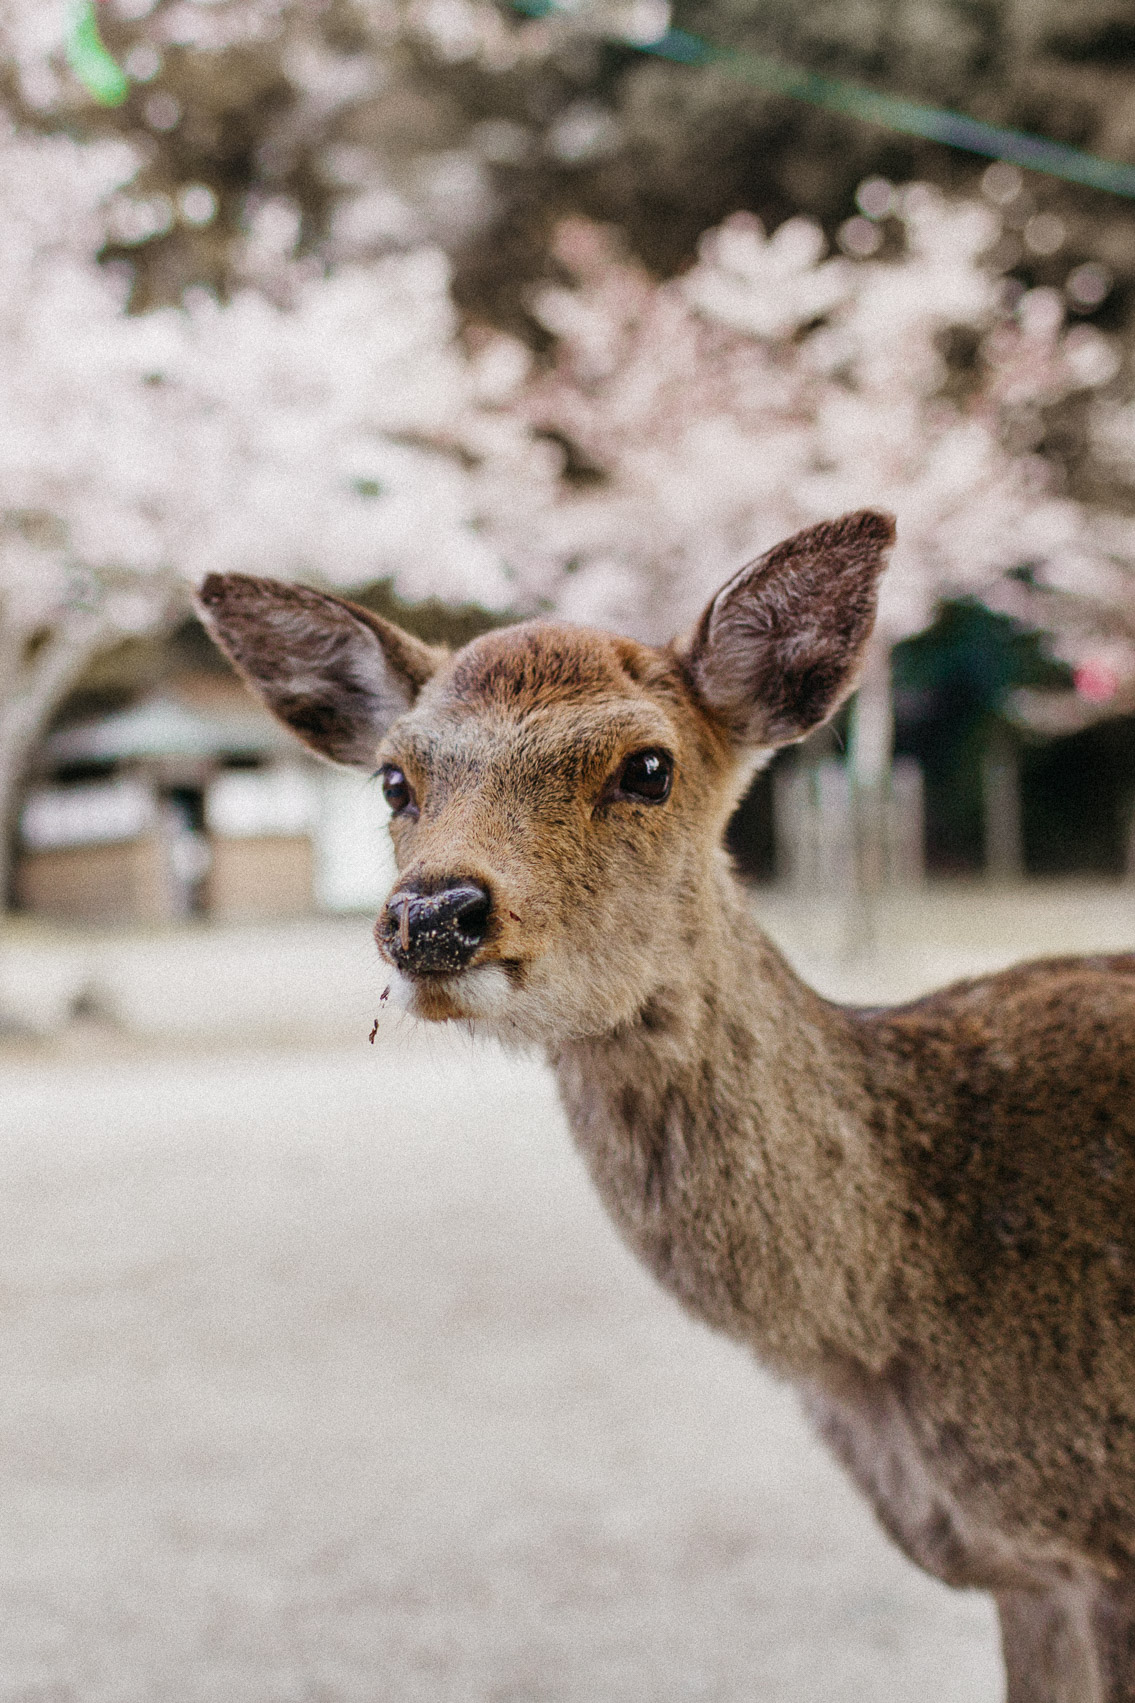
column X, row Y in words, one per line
column 1078, row 797
column 951, row 686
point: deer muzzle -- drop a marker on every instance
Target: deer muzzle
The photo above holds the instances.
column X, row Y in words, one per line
column 436, row 933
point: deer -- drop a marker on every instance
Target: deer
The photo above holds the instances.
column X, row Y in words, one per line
column 921, row 1216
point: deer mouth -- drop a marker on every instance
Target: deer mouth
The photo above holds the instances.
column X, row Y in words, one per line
column 481, row 991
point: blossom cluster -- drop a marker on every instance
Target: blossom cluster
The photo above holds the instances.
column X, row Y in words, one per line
column 314, row 438
column 340, row 424
column 772, row 386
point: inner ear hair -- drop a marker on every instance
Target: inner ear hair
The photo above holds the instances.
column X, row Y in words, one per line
column 780, row 646
column 334, row 673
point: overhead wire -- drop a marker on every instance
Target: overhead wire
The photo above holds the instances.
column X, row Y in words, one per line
column 891, row 112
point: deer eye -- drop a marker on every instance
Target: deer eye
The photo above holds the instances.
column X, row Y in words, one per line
column 646, row 777
column 397, row 790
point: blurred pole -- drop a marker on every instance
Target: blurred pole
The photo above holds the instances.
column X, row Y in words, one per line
column 906, row 825
column 1127, row 826
column 868, row 765
column 28, row 696
column 1001, row 800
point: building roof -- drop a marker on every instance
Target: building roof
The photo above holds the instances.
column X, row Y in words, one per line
column 161, row 726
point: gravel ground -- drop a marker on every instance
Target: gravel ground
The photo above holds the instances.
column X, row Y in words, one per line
column 326, row 1381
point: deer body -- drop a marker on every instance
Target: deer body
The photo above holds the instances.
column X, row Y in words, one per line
column 923, row 1217
column 904, row 1245
column 912, row 1247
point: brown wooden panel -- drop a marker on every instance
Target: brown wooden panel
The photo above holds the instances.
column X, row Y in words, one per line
column 268, row 876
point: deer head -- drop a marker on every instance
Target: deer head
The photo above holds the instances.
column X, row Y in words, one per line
column 558, row 796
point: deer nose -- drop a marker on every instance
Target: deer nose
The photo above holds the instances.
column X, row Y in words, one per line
column 435, row 933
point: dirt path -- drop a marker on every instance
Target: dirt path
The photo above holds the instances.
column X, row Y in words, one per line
column 325, row 1381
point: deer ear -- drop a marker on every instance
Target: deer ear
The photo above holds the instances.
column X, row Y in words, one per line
column 335, row 674
column 779, row 647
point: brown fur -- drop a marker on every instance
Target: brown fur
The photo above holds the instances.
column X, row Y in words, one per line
column 925, row 1217
column 314, row 660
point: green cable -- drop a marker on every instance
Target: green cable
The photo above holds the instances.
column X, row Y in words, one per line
column 104, row 78
column 911, row 118
column 99, row 73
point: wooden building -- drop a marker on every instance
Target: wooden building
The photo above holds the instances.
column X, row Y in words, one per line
column 191, row 804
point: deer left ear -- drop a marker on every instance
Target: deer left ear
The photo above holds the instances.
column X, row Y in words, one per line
column 335, row 674
column 780, row 646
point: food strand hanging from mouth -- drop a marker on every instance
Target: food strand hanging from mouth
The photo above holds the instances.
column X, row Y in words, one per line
column 382, row 999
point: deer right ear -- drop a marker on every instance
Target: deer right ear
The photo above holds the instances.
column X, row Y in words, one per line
column 780, row 646
column 335, row 674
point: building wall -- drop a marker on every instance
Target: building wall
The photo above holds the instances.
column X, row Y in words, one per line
column 251, row 878
column 121, row 882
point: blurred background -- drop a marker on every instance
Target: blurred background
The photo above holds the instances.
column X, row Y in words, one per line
column 322, row 1382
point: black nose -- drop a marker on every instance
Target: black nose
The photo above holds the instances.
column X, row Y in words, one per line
column 433, row 934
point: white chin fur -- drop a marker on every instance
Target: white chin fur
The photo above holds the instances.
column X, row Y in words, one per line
column 401, row 990
column 481, row 992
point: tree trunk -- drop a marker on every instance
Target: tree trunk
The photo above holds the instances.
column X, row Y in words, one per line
column 26, row 705
column 869, row 766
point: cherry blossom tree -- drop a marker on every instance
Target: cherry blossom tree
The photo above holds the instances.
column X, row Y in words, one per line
column 336, row 422
column 317, row 437
column 702, row 418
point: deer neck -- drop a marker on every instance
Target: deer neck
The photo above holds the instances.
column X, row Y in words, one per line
column 729, row 1131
